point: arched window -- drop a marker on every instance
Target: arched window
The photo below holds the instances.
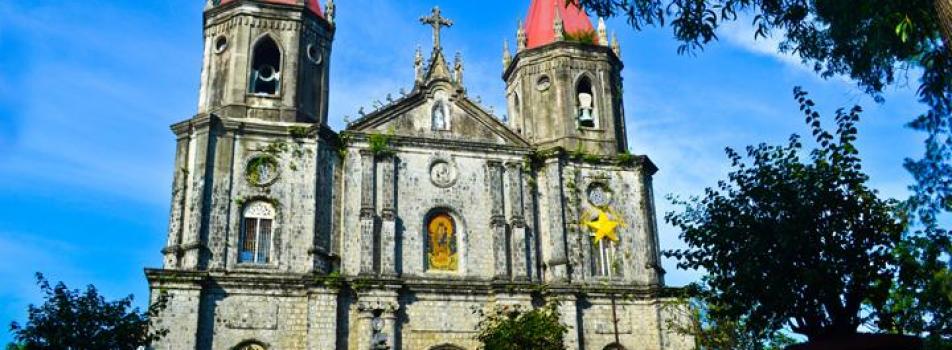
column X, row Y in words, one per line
column 250, row 345
column 256, row 231
column 585, row 102
column 265, row 67
column 614, row 346
column 442, row 248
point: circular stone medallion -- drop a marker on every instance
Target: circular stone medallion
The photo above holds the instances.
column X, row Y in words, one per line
column 262, row 170
column 443, row 174
column 599, row 195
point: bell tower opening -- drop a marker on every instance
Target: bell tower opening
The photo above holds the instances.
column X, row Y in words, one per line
column 265, row 67
column 568, row 79
column 584, row 102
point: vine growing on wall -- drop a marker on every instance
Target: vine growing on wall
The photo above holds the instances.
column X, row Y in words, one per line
column 343, row 142
column 573, row 194
column 256, row 165
column 380, row 144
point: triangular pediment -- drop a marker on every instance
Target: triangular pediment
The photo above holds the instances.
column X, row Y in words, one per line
column 419, row 115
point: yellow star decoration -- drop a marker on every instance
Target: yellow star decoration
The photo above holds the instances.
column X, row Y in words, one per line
column 604, row 227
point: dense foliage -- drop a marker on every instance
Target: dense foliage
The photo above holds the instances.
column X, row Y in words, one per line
column 516, row 328
column 876, row 43
column 70, row 319
column 794, row 243
column 691, row 314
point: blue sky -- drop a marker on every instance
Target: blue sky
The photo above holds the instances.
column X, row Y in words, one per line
column 89, row 88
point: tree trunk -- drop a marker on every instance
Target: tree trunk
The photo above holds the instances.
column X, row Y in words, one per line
column 943, row 9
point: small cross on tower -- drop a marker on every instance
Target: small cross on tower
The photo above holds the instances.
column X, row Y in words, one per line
column 437, row 21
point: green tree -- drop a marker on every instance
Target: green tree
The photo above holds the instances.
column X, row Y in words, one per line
column 793, row 243
column 70, row 319
column 692, row 315
column 517, row 328
column 873, row 42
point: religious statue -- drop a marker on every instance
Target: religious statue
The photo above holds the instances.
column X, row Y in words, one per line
column 378, row 339
column 442, row 248
column 439, row 117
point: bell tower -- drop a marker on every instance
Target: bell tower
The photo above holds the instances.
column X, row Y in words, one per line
column 564, row 83
column 267, row 59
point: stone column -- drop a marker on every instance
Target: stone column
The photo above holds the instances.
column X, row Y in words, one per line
column 517, row 222
column 388, row 225
column 227, row 169
column 322, row 319
column 194, row 221
column 389, row 316
column 556, row 257
column 367, row 211
column 376, row 323
column 179, row 192
column 498, row 221
column 648, row 233
column 569, row 312
column 365, row 316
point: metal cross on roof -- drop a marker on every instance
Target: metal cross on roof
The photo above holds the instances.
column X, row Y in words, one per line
column 437, row 21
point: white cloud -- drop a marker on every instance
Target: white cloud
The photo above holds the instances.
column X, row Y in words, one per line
column 741, row 34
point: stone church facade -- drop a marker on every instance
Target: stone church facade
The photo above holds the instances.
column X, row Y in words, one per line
column 285, row 234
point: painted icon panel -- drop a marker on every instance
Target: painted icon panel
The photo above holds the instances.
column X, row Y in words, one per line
column 442, row 254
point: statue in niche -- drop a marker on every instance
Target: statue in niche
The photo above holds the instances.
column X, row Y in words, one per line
column 439, row 116
column 378, row 339
column 442, row 249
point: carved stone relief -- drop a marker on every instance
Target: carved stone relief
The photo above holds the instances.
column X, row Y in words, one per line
column 443, row 173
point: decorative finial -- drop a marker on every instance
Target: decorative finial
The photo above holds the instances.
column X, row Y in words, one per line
column 389, row 98
column 330, row 10
column 602, row 32
column 458, row 68
column 418, row 64
column 521, row 38
column 558, row 26
column 361, row 111
column 615, row 46
column 506, row 55
column 437, row 21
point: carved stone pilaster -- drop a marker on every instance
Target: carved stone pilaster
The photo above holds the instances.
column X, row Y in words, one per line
column 648, row 232
column 516, row 207
column 367, row 212
column 556, row 256
column 377, row 324
column 500, row 247
column 388, row 224
column 367, row 177
column 518, row 241
column 498, row 221
column 568, row 310
column 496, row 187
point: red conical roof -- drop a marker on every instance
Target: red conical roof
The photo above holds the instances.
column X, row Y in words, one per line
column 540, row 24
column 313, row 5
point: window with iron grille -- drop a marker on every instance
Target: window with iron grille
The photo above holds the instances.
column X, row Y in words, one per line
column 255, row 241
